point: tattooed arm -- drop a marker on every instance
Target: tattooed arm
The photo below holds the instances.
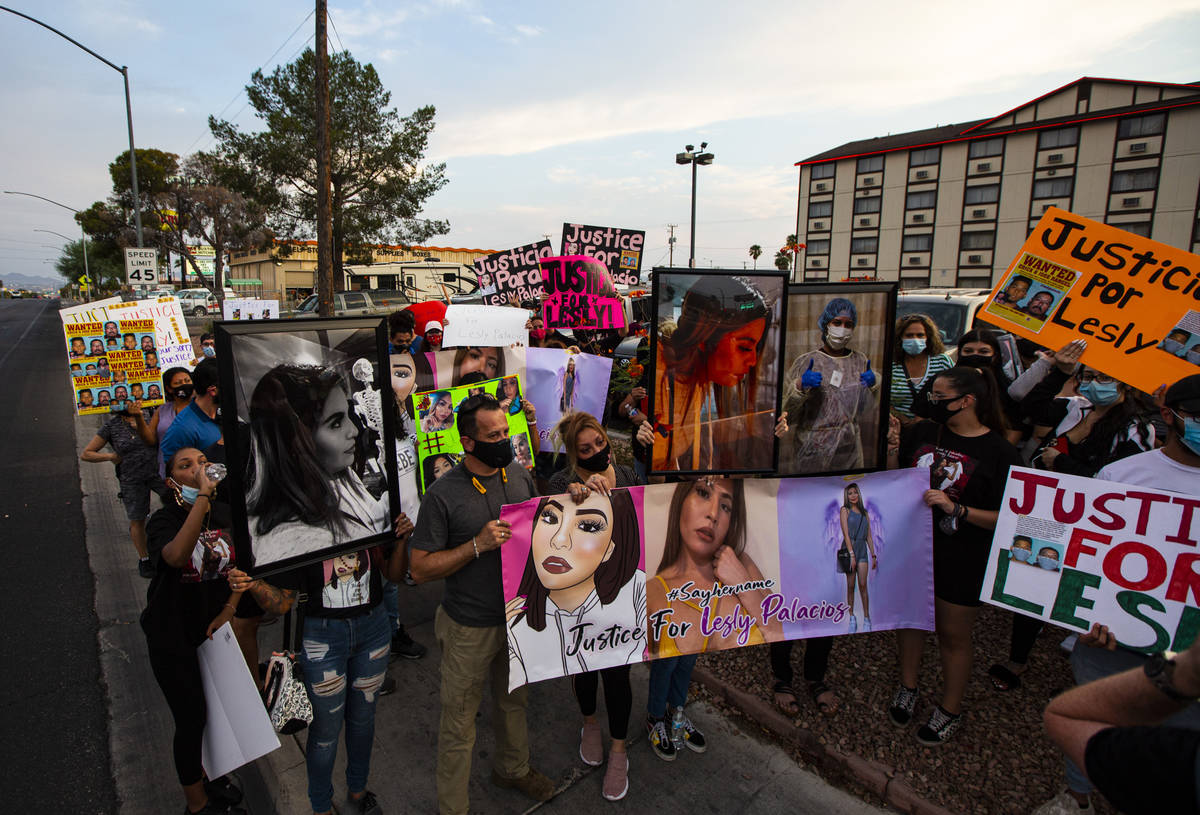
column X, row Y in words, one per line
column 273, row 600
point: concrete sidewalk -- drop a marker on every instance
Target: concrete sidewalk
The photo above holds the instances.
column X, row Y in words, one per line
column 739, row 773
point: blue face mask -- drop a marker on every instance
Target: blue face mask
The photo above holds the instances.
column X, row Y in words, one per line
column 1099, row 394
column 1193, row 357
column 1021, row 554
column 912, row 346
column 1048, row 563
column 209, row 351
column 189, row 494
column 1172, row 346
column 1191, row 432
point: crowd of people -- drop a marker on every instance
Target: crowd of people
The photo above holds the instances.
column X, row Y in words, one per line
column 968, row 416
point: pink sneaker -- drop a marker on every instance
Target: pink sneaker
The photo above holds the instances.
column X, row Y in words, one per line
column 616, row 777
column 591, row 744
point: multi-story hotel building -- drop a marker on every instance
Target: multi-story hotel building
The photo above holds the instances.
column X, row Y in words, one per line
column 951, row 205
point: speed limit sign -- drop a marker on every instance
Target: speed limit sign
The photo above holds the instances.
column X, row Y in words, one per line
column 141, row 267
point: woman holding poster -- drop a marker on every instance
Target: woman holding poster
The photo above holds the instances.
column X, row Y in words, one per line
column 966, row 443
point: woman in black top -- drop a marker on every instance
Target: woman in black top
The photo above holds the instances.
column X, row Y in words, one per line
column 969, row 459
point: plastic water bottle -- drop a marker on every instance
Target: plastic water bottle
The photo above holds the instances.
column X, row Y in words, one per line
column 677, row 729
column 215, row 472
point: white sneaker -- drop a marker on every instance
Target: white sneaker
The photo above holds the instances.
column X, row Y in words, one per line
column 1062, row 804
column 866, row 623
column 853, row 624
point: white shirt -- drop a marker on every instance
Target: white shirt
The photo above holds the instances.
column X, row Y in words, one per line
column 613, row 634
column 1156, row 469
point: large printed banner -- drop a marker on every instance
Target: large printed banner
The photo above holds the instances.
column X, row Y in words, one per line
column 439, row 447
column 1076, row 551
column 1134, row 300
column 111, row 363
column 559, row 382
column 709, row 564
column 515, row 273
column 170, row 328
column 579, row 293
column 618, row 249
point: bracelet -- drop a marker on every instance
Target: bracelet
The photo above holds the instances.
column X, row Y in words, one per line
column 475, row 547
column 207, row 495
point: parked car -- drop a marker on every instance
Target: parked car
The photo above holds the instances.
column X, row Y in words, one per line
column 355, row 303
column 954, row 310
column 199, row 302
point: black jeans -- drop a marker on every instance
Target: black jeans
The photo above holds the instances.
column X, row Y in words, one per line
column 178, row 674
column 816, row 660
column 1025, row 632
column 618, row 697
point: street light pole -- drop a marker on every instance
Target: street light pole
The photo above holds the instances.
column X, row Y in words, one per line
column 86, row 272
column 82, row 234
column 689, row 156
column 124, row 71
column 692, row 230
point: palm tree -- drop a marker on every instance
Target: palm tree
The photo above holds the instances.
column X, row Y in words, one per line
column 755, row 253
column 782, row 261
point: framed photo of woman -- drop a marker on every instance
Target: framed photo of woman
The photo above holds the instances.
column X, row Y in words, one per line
column 308, row 416
column 716, row 346
column 837, row 356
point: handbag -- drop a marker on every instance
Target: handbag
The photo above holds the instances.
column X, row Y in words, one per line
column 843, row 560
column 285, row 695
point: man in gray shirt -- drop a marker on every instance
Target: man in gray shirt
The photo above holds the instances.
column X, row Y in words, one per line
column 458, row 537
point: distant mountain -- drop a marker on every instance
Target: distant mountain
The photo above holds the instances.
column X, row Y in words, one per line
column 24, row 281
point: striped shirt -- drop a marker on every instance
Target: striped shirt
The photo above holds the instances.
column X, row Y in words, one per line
column 904, row 389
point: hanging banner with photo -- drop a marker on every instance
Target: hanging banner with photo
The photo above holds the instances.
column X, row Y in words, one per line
column 618, row 249
column 579, row 293
column 112, row 362
column 646, row 572
column 439, row 447
column 717, row 343
column 249, row 308
column 1075, row 551
column 837, row 371
column 469, row 364
column 515, row 274
column 559, row 382
column 1134, row 300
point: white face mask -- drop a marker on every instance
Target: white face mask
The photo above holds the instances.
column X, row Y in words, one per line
column 838, row 337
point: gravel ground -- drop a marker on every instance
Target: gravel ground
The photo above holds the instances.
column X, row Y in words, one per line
column 978, row 771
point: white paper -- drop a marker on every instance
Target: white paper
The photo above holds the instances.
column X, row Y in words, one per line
column 238, row 729
column 486, row 326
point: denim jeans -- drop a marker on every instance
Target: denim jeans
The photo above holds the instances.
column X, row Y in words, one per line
column 669, row 680
column 344, row 662
column 391, row 601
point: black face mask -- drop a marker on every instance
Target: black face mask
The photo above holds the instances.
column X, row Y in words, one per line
column 976, row 361
column 940, row 411
column 497, row 454
column 595, row 463
column 184, row 391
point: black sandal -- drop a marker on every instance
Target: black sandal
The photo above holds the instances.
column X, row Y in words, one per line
column 1003, row 679
column 818, row 689
column 791, row 708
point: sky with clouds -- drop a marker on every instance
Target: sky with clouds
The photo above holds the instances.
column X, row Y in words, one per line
column 552, row 112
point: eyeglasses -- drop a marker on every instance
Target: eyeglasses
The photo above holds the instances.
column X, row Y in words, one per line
column 1099, row 379
column 933, row 397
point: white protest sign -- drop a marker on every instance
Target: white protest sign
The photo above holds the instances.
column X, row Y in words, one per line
column 488, row 326
column 1075, row 551
column 238, row 729
column 141, row 266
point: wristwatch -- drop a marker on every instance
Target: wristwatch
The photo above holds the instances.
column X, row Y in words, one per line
column 1160, row 669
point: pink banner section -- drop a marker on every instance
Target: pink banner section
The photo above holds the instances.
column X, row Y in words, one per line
column 579, row 293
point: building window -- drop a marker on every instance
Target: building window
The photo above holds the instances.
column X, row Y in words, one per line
column 919, row 158
column 820, row 247
column 1053, row 187
column 917, row 243
column 1151, row 125
column 820, row 209
column 824, row 170
column 863, row 206
column 864, row 246
column 870, row 164
column 1066, row 137
column 921, row 200
column 1141, row 229
column 985, row 147
column 979, row 240
column 1130, row 180
column 985, row 194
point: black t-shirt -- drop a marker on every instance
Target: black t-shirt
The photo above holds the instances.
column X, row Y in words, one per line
column 973, row 471
column 348, row 585
column 181, row 602
column 1146, row 769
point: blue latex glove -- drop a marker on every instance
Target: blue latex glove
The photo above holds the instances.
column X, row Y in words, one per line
column 810, row 378
column 867, row 377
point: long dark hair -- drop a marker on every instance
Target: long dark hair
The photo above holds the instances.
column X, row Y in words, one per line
column 980, row 383
column 461, row 354
column 735, row 538
column 610, row 576
column 989, row 337
column 362, row 561
column 862, row 502
column 285, row 480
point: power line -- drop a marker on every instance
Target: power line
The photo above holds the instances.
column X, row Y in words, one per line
column 329, row 17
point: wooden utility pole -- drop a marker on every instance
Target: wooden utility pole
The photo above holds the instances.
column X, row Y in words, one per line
column 324, row 213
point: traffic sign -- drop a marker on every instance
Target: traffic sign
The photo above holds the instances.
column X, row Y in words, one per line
column 141, row 267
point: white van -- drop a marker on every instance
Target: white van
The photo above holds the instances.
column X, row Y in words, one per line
column 953, row 310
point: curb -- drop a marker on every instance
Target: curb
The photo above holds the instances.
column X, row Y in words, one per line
column 880, row 779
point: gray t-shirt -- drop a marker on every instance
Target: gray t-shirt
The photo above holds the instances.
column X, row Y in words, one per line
column 452, row 512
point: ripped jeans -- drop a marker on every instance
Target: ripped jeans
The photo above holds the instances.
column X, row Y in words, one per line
column 344, row 662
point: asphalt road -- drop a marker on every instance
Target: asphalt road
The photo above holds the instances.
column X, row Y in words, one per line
column 55, row 746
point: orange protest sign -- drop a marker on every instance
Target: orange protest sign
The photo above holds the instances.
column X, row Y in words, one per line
column 1135, row 301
